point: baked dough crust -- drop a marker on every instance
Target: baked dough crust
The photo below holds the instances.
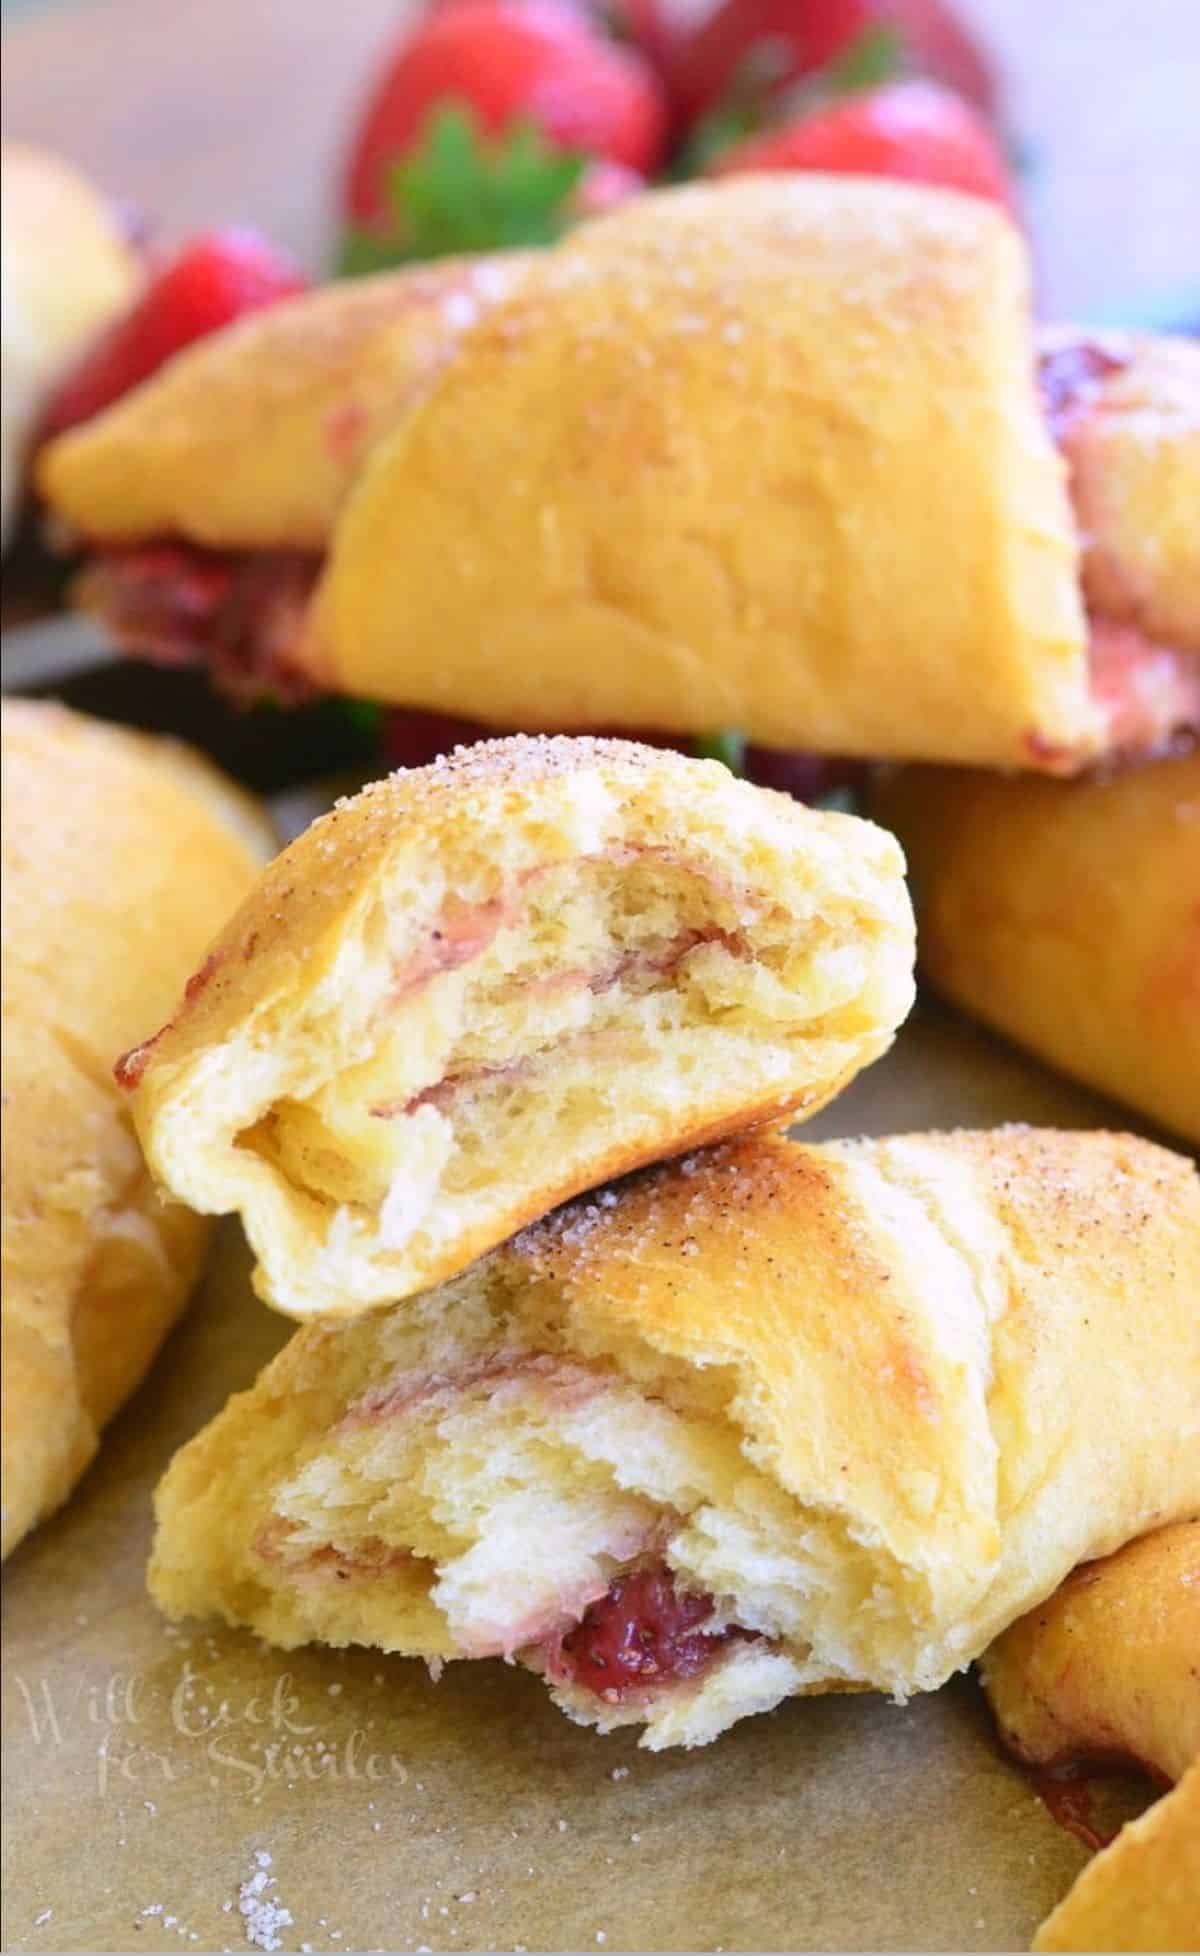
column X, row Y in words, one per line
column 67, row 271
column 764, row 454
column 1067, row 915
column 1109, row 1667
column 876, row 1398
column 250, row 439
column 1142, row 1892
column 479, row 987
column 121, row 855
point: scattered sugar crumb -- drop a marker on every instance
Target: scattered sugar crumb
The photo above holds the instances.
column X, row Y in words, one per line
column 43, row 1917
column 263, row 1914
column 563, row 1826
column 620, row 1772
column 335, row 1690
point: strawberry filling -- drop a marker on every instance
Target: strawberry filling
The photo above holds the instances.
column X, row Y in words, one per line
column 1151, row 693
column 240, row 613
column 1070, row 376
column 645, row 1632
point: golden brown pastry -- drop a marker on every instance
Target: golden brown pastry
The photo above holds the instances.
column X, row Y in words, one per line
column 67, row 270
column 1143, row 1892
column 1108, row 1668
column 250, row 439
column 1067, row 915
column 121, row 855
column 771, row 1419
column 765, row 454
column 482, row 986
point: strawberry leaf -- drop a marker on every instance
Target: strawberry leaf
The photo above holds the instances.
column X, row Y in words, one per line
column 729, row 748
column 712, row 134
column 873, row 57
column 754, row 101
column 463, row 192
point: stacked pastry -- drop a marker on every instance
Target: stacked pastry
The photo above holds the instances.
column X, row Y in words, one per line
column 761, row 1419
column 779, row 454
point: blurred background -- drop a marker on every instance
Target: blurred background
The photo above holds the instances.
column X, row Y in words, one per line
column 205, row 111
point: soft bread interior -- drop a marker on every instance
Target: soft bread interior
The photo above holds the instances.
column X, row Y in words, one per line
column 767, row 1419
column 473, row 1054
column 453, row 1479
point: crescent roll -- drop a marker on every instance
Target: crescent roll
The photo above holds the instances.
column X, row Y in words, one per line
column 766, row 454
column 482, row 986
column 769, row 1419
column 1142, row 1892
column 1067, row 915
column 66, row 271
column 1108, row 1667
column 121, row 855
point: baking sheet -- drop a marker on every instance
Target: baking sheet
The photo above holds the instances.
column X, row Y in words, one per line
column 155, row 1775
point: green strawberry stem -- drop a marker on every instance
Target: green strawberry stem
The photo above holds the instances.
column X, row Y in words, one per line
column 463, row 191
column 729, row 748
column 753, row 101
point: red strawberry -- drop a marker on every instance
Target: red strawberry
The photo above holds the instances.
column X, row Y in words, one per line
column 908, row 129
column 755, row 47
column 211, row 281
column 648, row 25
column 538, row 61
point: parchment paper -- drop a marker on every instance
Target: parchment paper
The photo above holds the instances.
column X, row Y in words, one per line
column 399, row 1814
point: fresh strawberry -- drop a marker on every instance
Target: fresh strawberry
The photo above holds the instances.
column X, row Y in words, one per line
column 211, row 281
column 907, row 129
column 650, row 26
column 537, row 62
column 752, row 49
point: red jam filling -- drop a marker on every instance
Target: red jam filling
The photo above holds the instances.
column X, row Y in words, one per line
column 1069, row 1799
column 645, row 1631
column 1069, row 377
column 241, row 613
